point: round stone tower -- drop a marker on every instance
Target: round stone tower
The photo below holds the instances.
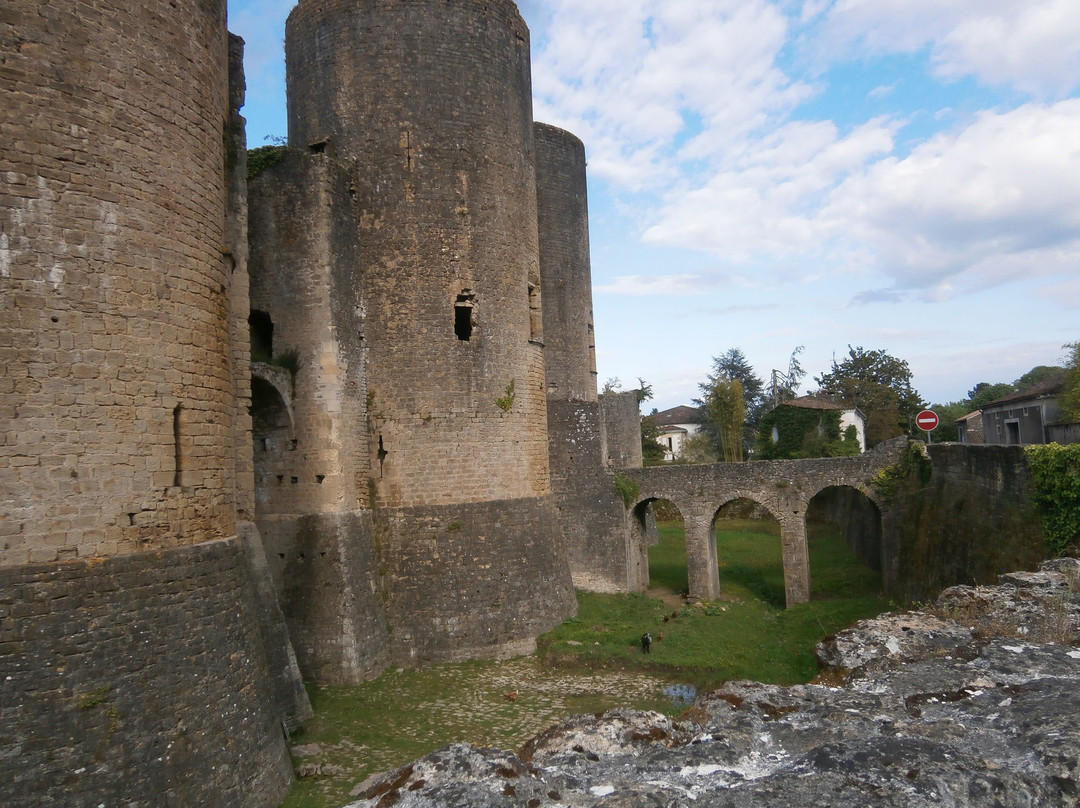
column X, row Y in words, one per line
column 114, row 279
column 429, row 103
column 131, row 643
column 432, row 100
column 566, row 274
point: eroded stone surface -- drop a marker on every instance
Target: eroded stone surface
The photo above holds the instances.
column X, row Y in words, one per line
column 933, row 712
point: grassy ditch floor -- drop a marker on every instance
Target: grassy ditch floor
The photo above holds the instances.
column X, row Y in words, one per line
column 594, row 662
column 747, row 634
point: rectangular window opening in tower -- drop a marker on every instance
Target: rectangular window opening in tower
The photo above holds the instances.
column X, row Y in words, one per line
column 463, row 316
column 177, row 450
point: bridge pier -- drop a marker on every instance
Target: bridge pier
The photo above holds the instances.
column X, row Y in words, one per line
column 796, row 559
column 702, row 570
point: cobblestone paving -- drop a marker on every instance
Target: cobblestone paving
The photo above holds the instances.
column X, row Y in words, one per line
column 497, row 703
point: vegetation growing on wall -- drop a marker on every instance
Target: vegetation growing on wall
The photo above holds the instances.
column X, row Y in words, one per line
column 803, row 433
column 505, row 402
column 627, row 489
column 1055, row 470
column 912, row 463
column 260, row 159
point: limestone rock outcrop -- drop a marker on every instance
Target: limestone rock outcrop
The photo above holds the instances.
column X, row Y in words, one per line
column 971, row 702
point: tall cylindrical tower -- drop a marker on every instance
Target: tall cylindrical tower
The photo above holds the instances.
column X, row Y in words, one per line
column 114, row 283
column 117, row 405
column 566, row 275
column 429, row 103
column 432, row 100
column 590, row 513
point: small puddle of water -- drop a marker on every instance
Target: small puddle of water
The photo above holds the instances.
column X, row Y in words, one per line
column 681, row 694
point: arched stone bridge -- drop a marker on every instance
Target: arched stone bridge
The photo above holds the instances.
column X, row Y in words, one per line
column 783, row 487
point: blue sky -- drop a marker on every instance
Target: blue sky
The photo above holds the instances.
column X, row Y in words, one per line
column 765, row 174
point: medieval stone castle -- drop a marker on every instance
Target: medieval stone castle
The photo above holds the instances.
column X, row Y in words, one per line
column 339, row 417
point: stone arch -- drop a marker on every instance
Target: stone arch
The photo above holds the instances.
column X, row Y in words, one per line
column 857, row 514
column 272, row 435
column 701, row 569
column 647, row 517
column 759, row 499
column 749, row 505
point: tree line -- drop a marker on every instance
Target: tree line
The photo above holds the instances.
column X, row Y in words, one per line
column 741, row 417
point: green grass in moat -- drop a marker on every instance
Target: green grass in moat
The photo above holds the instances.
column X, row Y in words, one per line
column 747, row 634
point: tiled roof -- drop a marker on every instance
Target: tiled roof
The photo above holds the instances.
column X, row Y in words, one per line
column 812, row 403
column 678, row 415
column 1048, row 387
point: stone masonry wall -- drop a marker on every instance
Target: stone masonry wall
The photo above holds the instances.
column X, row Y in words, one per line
column 115, row 386
column 305, row 274
column 473, row 580
column 621, row 415
column 592, row 516
column 432, row 100
column 331, row 586
column 137, row 680
column 962, row 518
column 236, row 245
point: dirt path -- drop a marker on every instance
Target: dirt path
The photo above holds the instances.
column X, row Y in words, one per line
column 673, row 599
column 496, row 703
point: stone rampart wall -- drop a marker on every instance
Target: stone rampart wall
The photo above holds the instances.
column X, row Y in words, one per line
column 138, row 680
column 473, row 580
column 621, row 418
column 592, row 516
column 330, row 584
column 963, row 518
column 306, row 276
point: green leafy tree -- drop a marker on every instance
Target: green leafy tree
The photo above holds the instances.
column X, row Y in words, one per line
column 880, row 386
column 724, row 413
column 983, row 393
column 948, row 415
column 1037, row 375
column 728, row 367
column 732, row 365
column 697, row 449
column 652, row 452
column 1070, row 395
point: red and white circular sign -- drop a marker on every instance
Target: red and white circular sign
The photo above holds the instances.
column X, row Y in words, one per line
column 927, row 420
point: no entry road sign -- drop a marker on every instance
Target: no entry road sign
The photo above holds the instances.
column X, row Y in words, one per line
column 927, row 420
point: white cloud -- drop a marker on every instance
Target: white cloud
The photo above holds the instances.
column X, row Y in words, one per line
column 996, row 202
column 765, row 197
column 1032, row 45
column 634, row 78
column 652, row 285
column 1065, row 293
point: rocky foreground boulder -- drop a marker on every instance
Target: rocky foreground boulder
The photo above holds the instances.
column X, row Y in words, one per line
column 974, row 701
